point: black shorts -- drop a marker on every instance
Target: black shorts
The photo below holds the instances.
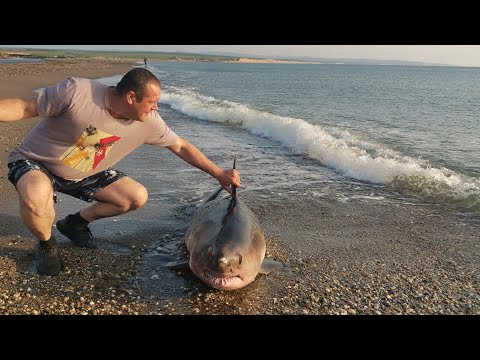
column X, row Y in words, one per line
column 83, row 189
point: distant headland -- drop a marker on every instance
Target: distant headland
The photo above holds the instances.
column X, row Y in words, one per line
column 152, row 56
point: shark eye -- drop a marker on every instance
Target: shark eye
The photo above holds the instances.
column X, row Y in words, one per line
column 239, row 259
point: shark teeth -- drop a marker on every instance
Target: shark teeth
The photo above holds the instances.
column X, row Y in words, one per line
column 220, row 280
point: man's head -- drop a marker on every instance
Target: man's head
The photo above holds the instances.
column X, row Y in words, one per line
column 141, row 91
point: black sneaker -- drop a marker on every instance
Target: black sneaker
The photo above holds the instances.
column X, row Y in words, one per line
column 79, row 234
column 48, row 261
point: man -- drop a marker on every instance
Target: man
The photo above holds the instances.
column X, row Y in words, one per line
column 86, row 128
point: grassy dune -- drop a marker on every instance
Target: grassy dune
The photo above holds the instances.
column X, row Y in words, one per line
column 45, row 54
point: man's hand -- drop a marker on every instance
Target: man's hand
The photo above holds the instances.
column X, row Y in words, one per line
column 227, row 177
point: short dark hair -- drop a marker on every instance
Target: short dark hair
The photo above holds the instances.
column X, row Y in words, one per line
column 136, row 80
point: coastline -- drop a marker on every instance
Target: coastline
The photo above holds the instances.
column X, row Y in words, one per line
column 369, row 258
column 244, row 60
column 234, row 60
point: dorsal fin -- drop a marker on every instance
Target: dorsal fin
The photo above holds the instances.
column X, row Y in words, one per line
column 234, row 188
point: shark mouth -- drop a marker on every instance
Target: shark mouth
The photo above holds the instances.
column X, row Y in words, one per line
column 222, row 281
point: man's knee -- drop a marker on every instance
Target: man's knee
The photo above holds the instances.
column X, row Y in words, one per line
column 139, row 198
column 35, row 192
column 135, row 199
column 125, row 193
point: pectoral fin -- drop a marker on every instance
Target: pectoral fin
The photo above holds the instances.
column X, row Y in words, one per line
column 177, row 265
column 211, row 197
column 170, row 262
column 269, row 265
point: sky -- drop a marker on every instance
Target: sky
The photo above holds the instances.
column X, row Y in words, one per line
column 458, row 55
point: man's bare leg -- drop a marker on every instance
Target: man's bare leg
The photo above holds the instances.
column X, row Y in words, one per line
column 118, row 198
column 35, row 193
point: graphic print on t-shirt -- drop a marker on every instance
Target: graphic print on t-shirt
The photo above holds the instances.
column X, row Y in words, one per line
column 89, row 149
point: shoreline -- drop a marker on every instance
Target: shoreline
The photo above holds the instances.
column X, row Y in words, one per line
column 352, row 257
column 245, row 61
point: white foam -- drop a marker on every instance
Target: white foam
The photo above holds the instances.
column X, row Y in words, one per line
column 338, row 148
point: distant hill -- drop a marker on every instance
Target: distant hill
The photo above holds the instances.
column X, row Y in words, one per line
column 69, row 53
column 207, row 57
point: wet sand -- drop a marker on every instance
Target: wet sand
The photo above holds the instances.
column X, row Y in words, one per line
column 342, row 257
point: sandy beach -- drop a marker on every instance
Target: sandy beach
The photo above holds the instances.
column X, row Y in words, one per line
column 341, row 258
column 244, row 60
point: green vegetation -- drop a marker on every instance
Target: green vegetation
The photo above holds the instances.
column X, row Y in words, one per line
column 150, row 55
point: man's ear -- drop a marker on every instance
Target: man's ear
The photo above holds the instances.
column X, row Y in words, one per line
column 131, row 97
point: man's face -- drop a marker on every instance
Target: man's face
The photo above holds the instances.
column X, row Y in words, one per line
column 140, row 110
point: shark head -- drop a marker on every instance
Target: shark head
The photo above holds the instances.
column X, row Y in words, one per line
column 227, row 255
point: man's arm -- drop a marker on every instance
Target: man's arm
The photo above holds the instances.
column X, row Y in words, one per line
column 195, row 157
column 17, row 109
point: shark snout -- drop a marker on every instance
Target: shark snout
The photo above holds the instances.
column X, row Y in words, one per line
column 225, row 260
